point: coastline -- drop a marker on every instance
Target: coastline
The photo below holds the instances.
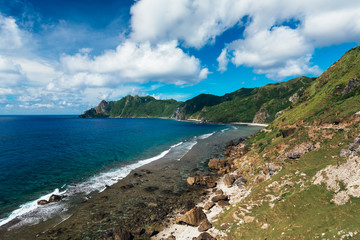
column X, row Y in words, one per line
column 199, row 121
column 161, row 185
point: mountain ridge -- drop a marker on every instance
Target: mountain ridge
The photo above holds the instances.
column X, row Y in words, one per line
column 264, row 103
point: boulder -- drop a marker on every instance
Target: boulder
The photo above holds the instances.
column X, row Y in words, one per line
column 209, row 205
column 223, row 203
column 55, row 198
column 204, row 225
column 193, row 217
column 171, row 237
column 121, row 234
column 191, row 180
column 42, row 202
column 204, row 236
column 219, row 197
column 214, row 164
column 219, row 192
column 229, row 180
column 202, row 180
column 206, row 180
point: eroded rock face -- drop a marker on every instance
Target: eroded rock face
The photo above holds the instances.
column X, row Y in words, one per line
column 300, row 150
column 261, row 116
column 347, row 173
column 352, row 84
column 193, row 217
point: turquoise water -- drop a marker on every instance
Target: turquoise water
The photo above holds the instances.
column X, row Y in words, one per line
column 39, row 154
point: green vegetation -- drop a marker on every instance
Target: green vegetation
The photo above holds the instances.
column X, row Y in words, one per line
column 260, row 105
column 289, row 205
column 244, row 105
column 133, row 106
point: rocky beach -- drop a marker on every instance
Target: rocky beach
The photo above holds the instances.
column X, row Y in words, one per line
column 142, row 204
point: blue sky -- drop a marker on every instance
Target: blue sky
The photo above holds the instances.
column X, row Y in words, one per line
column 62, row 57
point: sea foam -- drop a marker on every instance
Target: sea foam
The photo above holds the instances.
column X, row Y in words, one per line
column 32, row 213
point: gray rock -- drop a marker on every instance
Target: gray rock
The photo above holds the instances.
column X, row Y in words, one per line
column 352, row 84
column 229, row 180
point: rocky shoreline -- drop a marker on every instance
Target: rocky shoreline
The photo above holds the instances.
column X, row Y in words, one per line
column 141, row 205
column 224, row 186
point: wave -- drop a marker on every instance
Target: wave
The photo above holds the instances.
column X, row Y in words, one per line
column 204, row 136
column 32, row 213
column 25, row 209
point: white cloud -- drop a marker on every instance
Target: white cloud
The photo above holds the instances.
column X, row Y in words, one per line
column 133, row 62
column 263, row 52
column 265, row 45
column 333, row 27
column 10, row 34
column 196, row 22
column 10, row 72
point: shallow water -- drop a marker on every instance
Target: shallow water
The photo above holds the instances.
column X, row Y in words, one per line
column 40, row 154
column 123, row 206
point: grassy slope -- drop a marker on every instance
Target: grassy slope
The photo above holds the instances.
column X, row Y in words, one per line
column 136, row 106
column 305, row 210
column 272, row 98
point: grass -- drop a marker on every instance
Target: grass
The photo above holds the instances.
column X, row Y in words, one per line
column 305, row 211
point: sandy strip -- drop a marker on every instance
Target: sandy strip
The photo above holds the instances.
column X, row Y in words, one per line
column 250, row 124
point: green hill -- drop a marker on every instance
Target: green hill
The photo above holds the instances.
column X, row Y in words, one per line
column 303, row 170
column 133, row 106
column 258, row 105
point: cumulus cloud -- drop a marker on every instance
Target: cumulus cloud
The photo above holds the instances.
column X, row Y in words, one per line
column 10, row 34
column 195, row 22
column 333, row 27
column 11, row 74
column 263, row 52
column 268, row 43
column 277, row 50
column 134, row 62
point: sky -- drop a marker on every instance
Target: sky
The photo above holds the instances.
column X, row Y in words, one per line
column 65, row 56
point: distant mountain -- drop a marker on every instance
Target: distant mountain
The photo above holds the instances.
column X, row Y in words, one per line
column 132, row 107
column 258, row 105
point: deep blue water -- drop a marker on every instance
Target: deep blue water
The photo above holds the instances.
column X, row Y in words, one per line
column 41, row 153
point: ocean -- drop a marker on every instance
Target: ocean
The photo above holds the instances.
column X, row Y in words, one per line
column 43, row 155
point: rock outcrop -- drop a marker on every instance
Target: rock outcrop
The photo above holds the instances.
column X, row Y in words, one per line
column 193, row 217
column 202, row 180
column 352, row 84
